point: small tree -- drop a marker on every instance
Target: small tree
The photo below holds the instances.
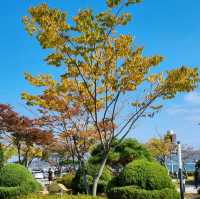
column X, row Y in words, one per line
column 102, row 68
column 22, row 133
column 160, row 148
column 8, row 152
column 73, row 129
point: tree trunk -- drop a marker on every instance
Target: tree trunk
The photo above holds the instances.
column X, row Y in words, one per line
column 85, row 181
column 29, row 162
column 25, row 158
column 73, row 162
column 19, row 153
column 97, row 177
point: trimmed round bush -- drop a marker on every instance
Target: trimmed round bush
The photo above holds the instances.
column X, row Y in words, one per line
column 132, row 192
column 13, row 175
column 145, row 174
column 16, row 180
column 31, row 186
column 142, row 179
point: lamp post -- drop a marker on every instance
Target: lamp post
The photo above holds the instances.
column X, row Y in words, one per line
column 172, row 136
column 180, row 170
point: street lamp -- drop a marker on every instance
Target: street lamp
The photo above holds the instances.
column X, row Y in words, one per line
column 172, row 137
column 180, row 170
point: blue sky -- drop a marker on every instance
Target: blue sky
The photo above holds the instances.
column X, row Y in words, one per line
column 170, row 28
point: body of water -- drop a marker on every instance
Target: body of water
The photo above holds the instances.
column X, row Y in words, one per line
column 188, row 166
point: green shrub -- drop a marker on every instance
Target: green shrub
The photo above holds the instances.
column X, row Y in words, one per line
column 78, row 182
column 132, row 192
column 102, row 186
column 94, row 168
column 80, row 188
column 142, row 179
column 145, row 174
column 115, row 182
column 13, row 175
column 16, row 180
column 32, row 186
column 15, row 192
column 66, row 180
column 10, row 192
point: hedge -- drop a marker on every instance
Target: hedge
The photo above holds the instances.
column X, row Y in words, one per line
column 10, row 192
column 39, row 196
column 15, row 192
column 132, row 192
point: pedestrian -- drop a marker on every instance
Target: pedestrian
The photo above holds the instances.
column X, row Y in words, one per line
column 196, row 177
column 50, row 175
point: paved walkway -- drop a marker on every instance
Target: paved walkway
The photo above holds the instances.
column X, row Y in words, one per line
column 44, row 183
column 190, row 189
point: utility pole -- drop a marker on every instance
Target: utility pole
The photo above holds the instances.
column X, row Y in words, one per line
column 180, row 171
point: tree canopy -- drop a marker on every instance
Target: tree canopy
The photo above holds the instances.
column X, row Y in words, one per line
column 23, row 134
column 127, row 151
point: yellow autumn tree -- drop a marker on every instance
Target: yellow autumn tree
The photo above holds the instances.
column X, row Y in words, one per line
column 160, row 148
column 104, row 71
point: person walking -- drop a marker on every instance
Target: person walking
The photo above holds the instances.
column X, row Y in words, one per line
column 197, row 175
column 50, row 175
